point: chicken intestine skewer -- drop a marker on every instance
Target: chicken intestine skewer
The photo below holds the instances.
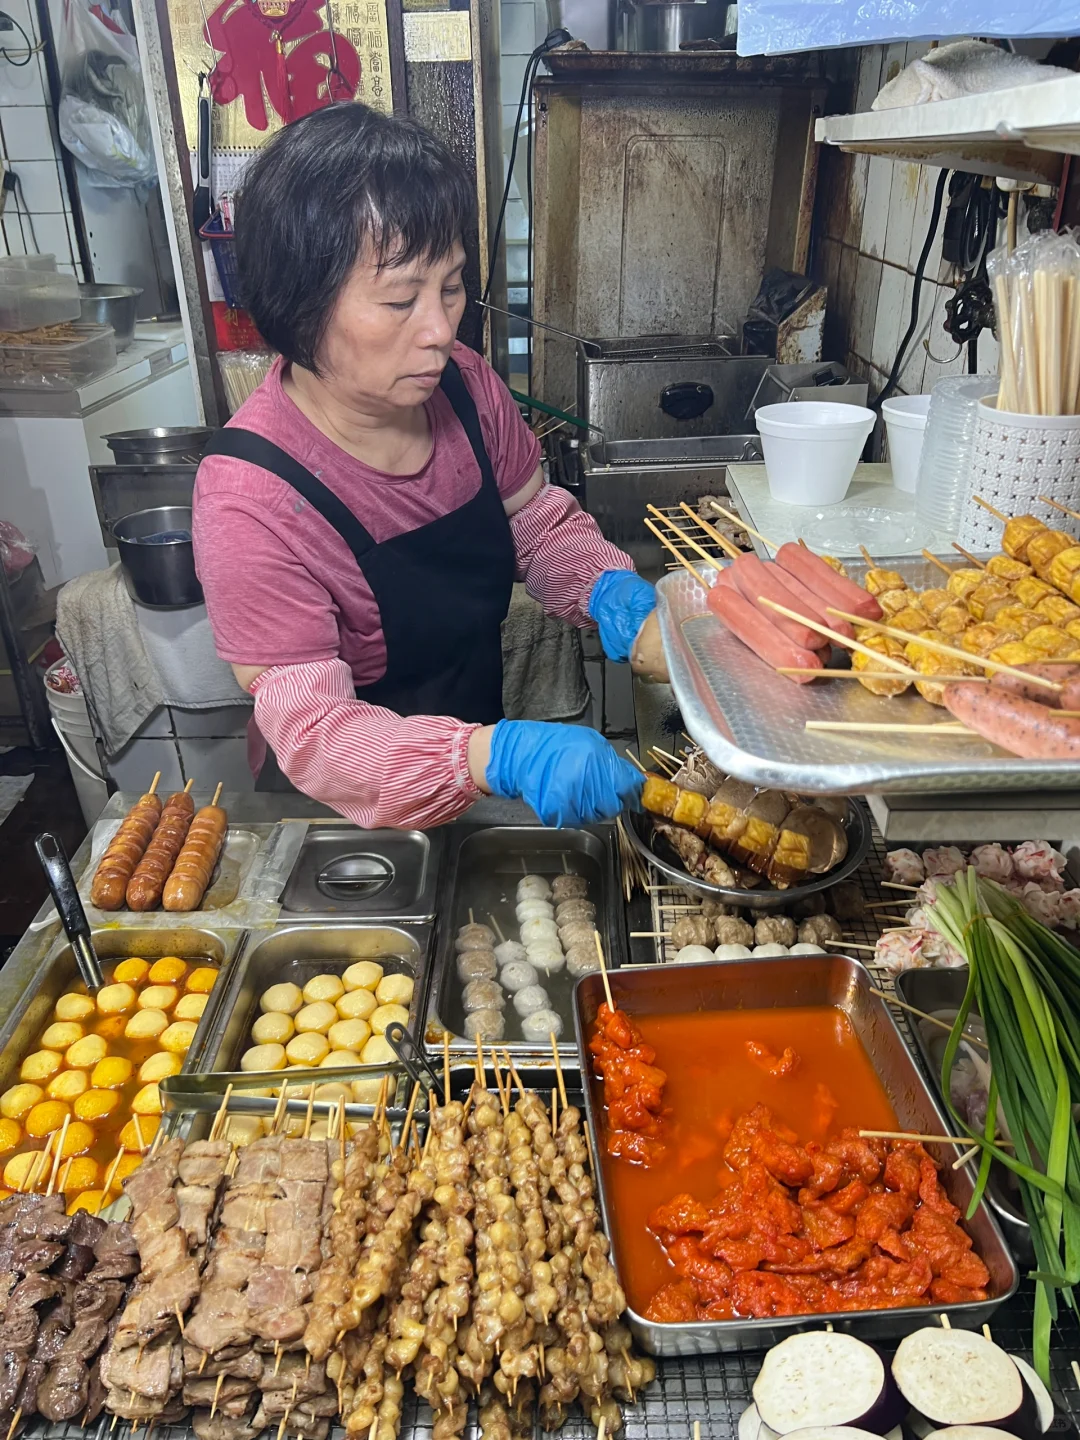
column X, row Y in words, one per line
column 497, row 1267
column 346, row 1231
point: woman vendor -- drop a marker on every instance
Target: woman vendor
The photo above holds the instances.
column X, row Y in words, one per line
column 359, row 523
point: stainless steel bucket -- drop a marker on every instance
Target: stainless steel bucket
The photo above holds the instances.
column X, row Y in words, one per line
column 667, row 25
column 158, row 556
column 111, row 305
column 163, row 445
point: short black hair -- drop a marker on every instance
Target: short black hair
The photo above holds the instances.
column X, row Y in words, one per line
column 324, row 187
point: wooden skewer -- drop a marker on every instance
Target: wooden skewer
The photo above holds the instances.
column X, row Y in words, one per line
column 558, row 1064
column 14, row 1423
column 635, row 761
column 217, row 792
column 859, row 727
column 41, row 1163
column 868, row 557
column 686, row 539
column 741, row 523
column 110, row 1176
column 504, row 1099
column 154, row 782
column 935, row 561
column 497, row 928
column 732, row 551
column 895, row 885
column 906, row 1135
column 922, row 1015
column 446, row 1066
column 851, row 945
column 987, row 506
column 668, row 545
column 481, row 1079
column 978, row 564
column 187, row 787
column 601, row 1428
column 697, row 1430
column 219, row 1118
column 1075, row 514
column 603, row 972
column 217, row 1392
column 874, row 675
column 1076, row 1371
column 60, row 1154
column 412, row 1107
column 838, row 639
column 996, row 666
column 138, row 1133
column 310, row 1109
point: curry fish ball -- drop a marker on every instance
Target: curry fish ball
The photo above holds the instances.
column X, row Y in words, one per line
column 96, row 1104
column 323, row 987
column 86, row 1053
column 307, row 1048
column 110, row 1028
column 139, row 1132
column 42, row 1065
column 17, row 1170
column 80, row 1174
column 285, row 998
column 394, row 990
column 73, row 1007
column 386, row 1015
column 61, row 1034
column 158, row 997
column 89, row 1200
column 378, row 1051
column 10, row 1135
column 356, row 1005
column 147, row 1101
column 337, row 1058
column 318, row 1016
column 349, row 1035
column 68, row 1085
column 45, row 1117
column 17, row 1102
column 111, row 1073
column 79, row 1138
column 202, row 979
column 190, row 1007
column 169, row 970
column 263, row 1057
column 115, row 999
column 133, row 971
column 146, row 1025
column 364, row 975
column 159, row 1067
column 128, row 1165
column 273, row 1028
column 178, row 1036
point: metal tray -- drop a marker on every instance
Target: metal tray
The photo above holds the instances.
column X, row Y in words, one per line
column 482, row 876
column 749, row 720
column 764, row 896
column 297, row 953
column 60, row 970
column 768, row 984
column 942, row 991
column 346, row 873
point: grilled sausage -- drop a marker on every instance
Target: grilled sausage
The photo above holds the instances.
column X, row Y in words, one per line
column 757, row 581
column 147, row 882
column 760, row 635
column 194, row 866
column 823, row 581
column 1066, row 675
column 123, row 853
column 1028, row 729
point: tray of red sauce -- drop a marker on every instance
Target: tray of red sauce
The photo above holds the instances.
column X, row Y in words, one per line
column 725, row 1103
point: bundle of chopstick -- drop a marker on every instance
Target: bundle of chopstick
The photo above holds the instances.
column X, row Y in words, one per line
column 1037, row 296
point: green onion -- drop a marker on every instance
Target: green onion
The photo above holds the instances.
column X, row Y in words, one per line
column 1025, row 982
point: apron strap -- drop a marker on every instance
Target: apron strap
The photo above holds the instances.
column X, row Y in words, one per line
column 240, row 444
column 464, row 407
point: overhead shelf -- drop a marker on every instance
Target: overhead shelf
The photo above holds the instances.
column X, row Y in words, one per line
column 1021, row 133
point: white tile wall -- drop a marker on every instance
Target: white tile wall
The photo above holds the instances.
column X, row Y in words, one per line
column 30, row 147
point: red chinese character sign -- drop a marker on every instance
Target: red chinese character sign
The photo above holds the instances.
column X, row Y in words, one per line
column 280, row 58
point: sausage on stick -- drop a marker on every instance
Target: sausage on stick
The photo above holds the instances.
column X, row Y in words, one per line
column 1034, row 731
column 145, row 887
column 190, row 876
column 125, row 850
column 759, row 634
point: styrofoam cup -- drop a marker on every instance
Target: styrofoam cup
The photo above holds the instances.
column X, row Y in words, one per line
column 811, row 448
column 905, row 422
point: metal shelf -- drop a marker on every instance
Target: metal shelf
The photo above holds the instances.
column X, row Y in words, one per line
column 1021, row 132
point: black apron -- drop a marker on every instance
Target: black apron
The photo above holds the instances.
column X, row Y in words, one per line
column 443, row 590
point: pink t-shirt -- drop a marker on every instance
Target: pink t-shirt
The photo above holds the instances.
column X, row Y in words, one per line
column 281, row 585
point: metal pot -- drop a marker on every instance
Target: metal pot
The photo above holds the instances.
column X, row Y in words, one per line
column 666, row 25
column 111, row 305
column 158, row 556
column 163, row 445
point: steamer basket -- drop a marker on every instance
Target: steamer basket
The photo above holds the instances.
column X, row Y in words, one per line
column 1014, row 460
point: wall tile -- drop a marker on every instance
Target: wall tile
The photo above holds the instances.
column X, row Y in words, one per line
column 22, row 84
column 28, row 133
column 511, row 75
column 888, row 325
column 24, row 12
column 876, row 206
column 41, row 186
column 518, row 21
column 15, row 235
column 53, row 237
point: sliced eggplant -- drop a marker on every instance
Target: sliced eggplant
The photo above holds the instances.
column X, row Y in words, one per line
column 967, row 1432
column 752, row 1427
column 957, row 1378
column 823, row 1378
column 1044, row 1403
column 833, row 1432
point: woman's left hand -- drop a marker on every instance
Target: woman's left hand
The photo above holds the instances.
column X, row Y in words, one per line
column 647, row 659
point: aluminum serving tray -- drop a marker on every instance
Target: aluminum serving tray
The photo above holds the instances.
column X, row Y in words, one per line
column 768, row 984
column 343, row 873
column 60, row 970
column 484, row 867
column 750, row 721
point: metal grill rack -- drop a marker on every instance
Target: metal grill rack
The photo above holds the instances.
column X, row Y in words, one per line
column 693, row 529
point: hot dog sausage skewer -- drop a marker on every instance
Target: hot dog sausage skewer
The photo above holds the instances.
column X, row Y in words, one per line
column 125, row 850
column 145, row 887
column 190, row 876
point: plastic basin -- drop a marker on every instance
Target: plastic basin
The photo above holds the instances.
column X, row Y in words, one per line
column 811, row 449
column 905, row 422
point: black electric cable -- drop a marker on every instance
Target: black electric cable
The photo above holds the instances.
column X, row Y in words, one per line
column 31, row 48
column 916, row 289
column 20, row 197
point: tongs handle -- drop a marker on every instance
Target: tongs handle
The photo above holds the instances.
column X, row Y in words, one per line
column 69, row 907
column 412, row 1057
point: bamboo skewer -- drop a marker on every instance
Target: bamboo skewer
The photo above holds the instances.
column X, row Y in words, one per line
column 922, row 1015
column 603, row 971
column 154, row 782
column 667, row 544
column 217, row 792
column 558, row 1063
column 1075, row 514
column 987, row 506
column 978, row 564
column 838, row 639
column 686, row 539
column 730, row 550
column 935, row 561
column 862, row 727
column 741, row 523
column 59, row 1154
column 875, row 675
column 933, row 1139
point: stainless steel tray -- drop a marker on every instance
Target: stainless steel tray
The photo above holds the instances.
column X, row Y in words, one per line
column 763, row 896
column 941, row 992
column 767, row 984
column 297, row 953
column 345, row 873
column 750, row 721
column 60, row 970
column 482, row 876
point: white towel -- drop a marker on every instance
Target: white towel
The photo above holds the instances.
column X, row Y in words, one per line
column 543, row 671
column 966, row 67
column 181, row 648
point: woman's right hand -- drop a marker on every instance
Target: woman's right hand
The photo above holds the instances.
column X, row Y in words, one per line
column 569, row 774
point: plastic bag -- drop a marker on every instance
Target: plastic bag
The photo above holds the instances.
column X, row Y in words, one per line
column 16, row 552
column 776, row 27
column 103, row 116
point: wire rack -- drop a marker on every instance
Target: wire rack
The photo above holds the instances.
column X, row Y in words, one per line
column 690, row 528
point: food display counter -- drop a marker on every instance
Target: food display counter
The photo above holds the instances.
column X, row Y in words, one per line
column 399, row 927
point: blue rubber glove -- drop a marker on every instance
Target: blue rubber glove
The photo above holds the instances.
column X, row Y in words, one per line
column 620, row 603
column 569, row 774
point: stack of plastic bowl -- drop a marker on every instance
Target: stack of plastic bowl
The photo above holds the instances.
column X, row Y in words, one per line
column 811, row 448
column 941, row 490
